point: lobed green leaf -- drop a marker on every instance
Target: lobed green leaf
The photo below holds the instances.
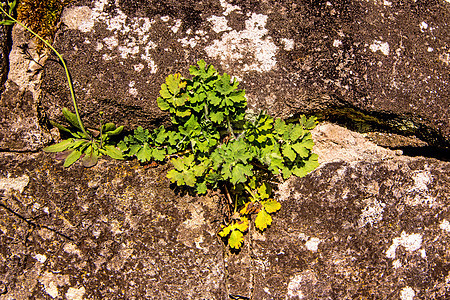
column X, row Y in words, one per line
column 114, row 152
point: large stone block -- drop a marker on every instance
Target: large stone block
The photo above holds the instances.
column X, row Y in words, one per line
column 368, row 222
column 385, row 63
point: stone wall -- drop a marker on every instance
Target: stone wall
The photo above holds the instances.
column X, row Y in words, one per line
column 369, row 223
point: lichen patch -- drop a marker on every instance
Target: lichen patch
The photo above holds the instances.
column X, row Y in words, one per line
column 445, row 225
column 371, row 213
column 377, row 45
column 78, row 18
column 17, row 184
column 75, row 293
column 407, row 293
column 313, row 244
column 411, row 243
column 251, row 44
column 299, row 282
column 220, row 24
column 419, row 193
column 136, row 29
column 51, row 282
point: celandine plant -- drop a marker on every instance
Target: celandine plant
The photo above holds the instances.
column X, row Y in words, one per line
column 215, row 144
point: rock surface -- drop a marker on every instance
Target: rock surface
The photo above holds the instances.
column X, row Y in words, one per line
column 20, row 117
column 369, row 223
column 113, row 231
column 385, row 63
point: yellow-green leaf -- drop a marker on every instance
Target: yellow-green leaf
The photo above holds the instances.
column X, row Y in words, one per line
column 162, row 104
column 225, row 231
column 71, row 117
column 114, row 152
column 242, row 224
column 271, row 205
column 236, row 239
column 296, row 132
column 288, row 152
column 164, row 92
column 175, row 176
column 262, row 220
column 311, row 123
column 301, row 149
column 263, row 191
column 73, row 157
column 307, row 143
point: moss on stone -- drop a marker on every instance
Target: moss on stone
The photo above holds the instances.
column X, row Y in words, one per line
column 41, row 16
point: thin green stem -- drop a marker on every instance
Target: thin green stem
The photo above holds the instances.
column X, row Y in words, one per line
column 230, row 128
column 101, row 130
column 248, row 189
column 206, row 112
column 69, row 80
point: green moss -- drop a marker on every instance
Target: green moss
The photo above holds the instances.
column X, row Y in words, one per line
column 42, row 16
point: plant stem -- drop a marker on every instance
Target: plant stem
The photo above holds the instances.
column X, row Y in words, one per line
column 248, row 189
column 228, row 195
column 69, row 80
column 230, row 128
column 206, row 112
column 101, row 130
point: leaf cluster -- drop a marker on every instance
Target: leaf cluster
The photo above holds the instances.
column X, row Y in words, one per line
column 89, row 146
column 148, row 146
column 215, row 144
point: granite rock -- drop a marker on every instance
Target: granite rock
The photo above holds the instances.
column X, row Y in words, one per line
column 369, row 223
column 115, row 231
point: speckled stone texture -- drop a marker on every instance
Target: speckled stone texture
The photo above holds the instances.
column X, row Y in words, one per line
column 369, row 222
column 20, row 119
column 384, row 62
column 115, row 231
column 359, row 230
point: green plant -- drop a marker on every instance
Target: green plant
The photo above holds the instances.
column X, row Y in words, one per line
column 215, row 144
column 88, row 145
column 148, row 146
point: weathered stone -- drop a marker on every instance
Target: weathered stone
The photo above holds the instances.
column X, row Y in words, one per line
column 383, row 64
column 19, row 116
column 369, row 222
column 113, row 231
column 370, row 230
